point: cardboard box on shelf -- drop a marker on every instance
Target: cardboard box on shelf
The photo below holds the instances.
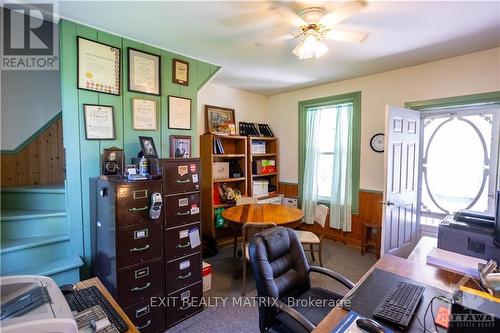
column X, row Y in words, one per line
column 220, row 170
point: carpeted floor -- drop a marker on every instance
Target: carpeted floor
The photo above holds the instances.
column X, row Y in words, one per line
column 236, row 315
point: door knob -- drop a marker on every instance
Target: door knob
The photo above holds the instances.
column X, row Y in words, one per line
column 388, row 203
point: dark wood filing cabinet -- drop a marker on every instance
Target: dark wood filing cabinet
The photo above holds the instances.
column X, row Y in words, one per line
column 181, row 208
column 141, row 261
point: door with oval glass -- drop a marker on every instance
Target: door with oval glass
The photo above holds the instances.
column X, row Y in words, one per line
column 459, row 162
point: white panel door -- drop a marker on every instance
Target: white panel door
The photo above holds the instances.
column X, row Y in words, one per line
column 400, row 223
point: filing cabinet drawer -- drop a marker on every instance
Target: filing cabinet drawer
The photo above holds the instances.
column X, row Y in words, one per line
column 146, row 318
column 181, row 176
column 183, row 272
column 182, row 209
column 133, row 201
column 138, row 244
column 140, row 281
column 184, row 303
column 177, row 241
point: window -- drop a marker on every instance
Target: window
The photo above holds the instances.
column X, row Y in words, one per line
column 459, row 161
column 325, row 110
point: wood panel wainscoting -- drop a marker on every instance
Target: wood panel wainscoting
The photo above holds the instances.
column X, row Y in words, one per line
column 39, row 162
column 370, row 210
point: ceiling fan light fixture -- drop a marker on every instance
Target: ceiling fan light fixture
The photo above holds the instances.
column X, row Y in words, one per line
column 311, row 46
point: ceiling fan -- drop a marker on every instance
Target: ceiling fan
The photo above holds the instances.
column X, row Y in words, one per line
column 316, row 24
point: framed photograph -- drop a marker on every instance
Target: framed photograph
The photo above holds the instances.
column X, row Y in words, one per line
column 144, row 72
column 148, row 147
column 99, row 122
column 180, row 146
column 144, row 114
column 179, row 112
column 98, row 67
column 180, row 72
column 112, row 161
column 219, row 120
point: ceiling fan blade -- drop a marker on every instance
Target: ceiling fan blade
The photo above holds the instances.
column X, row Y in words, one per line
column 290, row 16
column 346, row 36
column 342, row 13
column 274, row 40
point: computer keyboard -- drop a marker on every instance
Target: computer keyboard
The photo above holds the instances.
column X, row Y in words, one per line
column 399, row 305
column 83, row 299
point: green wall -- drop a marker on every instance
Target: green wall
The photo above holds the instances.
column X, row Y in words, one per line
column 83, row 156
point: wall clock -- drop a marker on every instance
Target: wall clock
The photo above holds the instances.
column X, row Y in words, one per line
column 377, row 142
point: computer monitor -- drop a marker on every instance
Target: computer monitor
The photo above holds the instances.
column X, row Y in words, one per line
column 496, row 233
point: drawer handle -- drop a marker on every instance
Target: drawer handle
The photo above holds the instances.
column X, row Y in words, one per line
column 184, row 307
column 183, row 214
column 182, row 277
column 183, row 181
column 147, row 285
column 135, row 209
column 137, row 249
column 183, row 246
column 144, row 326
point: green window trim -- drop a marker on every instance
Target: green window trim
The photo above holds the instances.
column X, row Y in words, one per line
column 456, row 101
column 355, row 99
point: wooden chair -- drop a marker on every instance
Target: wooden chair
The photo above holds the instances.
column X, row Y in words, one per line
column 241, row 201
column 249, row 230
column 310, row 238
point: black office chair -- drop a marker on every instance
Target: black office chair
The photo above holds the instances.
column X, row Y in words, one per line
column 281, row 274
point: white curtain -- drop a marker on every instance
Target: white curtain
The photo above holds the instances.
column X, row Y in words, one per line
column 310, row 187
column 341, row 198
column 341, row 195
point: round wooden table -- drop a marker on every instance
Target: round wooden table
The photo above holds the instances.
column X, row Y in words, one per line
column 264, row 213
column 237, row 216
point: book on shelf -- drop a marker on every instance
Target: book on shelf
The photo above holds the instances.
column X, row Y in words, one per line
column 218, row 148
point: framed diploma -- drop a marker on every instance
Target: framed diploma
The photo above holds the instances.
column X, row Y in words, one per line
column 98, row 67
column 180, row 72
column 179, row 112
column 144, row 114
column 99, row 122
column 144, row 72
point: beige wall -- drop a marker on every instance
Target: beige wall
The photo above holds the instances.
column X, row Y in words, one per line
column 468, row 74
column 248, row 106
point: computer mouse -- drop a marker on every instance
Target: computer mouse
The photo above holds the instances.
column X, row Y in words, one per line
column 369, row 325
column 67, row 288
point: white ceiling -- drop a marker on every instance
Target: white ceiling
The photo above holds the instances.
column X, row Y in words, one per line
column 401, row 33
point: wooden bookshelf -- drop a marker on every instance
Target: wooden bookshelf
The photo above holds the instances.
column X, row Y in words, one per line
column 272, row 154
column 235, row 148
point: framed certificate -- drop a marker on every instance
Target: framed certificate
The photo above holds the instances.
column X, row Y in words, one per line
column 179, row 113
column 144, row 114
column 98, row 67
column 180, row 72
column 144, row 72
column 99, row 122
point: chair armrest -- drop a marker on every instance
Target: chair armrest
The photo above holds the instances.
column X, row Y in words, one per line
column 297, row 316
column 333, row 275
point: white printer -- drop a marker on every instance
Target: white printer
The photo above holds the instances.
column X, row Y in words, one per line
column 39, row 304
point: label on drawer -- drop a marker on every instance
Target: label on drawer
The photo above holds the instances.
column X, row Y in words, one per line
column 185, row 295
column 183, row 233
column 183, row 202
column 141, row 272
column 142, row 311
column 182, row 170
column 184, row 264
column 195, row 209
column 195, row 178
column 143, row 233
column 194, row 238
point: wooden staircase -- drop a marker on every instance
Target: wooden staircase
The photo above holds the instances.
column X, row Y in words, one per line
column 35, row 236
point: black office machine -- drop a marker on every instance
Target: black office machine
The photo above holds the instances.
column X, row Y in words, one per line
column 472, row 234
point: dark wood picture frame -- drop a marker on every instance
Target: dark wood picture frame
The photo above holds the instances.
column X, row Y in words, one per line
column 78, row 38
column 142, row 141
column 173, row 143
column 129, row 71
column 174, row 72
column 209, row 126
column 108, row 163
column 85, row 121
column 170, row 112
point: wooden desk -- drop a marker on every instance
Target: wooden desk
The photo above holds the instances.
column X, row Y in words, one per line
column 96, row 282
column 414, row 268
